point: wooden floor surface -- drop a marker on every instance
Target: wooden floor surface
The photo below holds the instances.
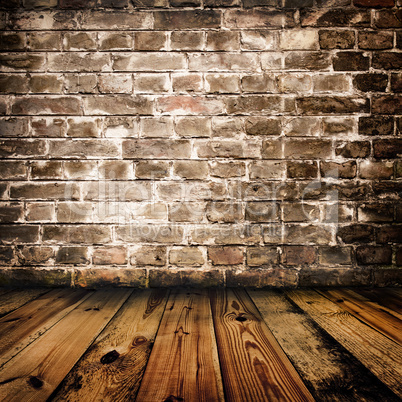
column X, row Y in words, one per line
column 200, row 345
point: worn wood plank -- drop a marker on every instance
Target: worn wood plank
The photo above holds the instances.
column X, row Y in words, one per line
column 21, row 327
column 382, row 356
column 326, row 367
column 378, row 319
column 254, row 367
column 384, row 298
column 183, row 365
column 14, row 299
column 112, row 368
column 34, row 373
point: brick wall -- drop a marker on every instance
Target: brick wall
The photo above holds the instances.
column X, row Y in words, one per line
column 200, row 142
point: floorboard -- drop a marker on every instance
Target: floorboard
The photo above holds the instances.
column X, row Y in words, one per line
column 184, row 345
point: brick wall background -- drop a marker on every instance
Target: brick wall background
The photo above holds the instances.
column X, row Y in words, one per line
column 200, row 142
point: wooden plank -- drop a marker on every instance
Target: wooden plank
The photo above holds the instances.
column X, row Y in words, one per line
column 383, row 297
column 112, row 368
column 21, row 327
column 35, row 372
column 378, row 319
column 327, row 368
column 379, row 354
column 184, row 365
column 16, row 298
column 254, row 367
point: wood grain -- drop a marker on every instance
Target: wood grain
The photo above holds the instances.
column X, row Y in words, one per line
column 379, row 354
column 384, row 298
column 14, row 299
column 330, row 372
column 21, row 327
column 183, row 365
column 112, row 368
column 34, row 373
column 378, row 319
column 254, row 367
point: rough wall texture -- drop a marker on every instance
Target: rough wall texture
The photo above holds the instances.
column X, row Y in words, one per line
column 200, row 142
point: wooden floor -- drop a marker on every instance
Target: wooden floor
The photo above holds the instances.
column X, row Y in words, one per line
column 201, row 345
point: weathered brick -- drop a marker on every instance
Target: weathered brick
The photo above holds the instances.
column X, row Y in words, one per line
column 77, row 234
column 116, row 20
column 262, row 278
column 223, row 62
column 196, row 170
column 226, row 234
column 298, row 3
column 262, row 211
column 227, row 149
column 271, row 61
column 355, row 149
column 48, row 191
column 332, row 105
column 333, row 18
column 152, row 170
column 151, row 83
column 46, row 170
column 19, row 234
column 272, row 149
column 315, row 234
column 185, row 3
column 117, row 191
column 371, row 82
column 308, row 149
column 338, row 125
column 44, row 41
column 334, row 277
column 12, row 41
column 161, row 149
column 6, row 255
column 330, row 83
column 118, row 127
column 225, row 255
column 186, row 212
column 13, row 84
column 72, row 255
column 222, row 3
column 258, row 83
column 22, row 148
column 150, row 3
column 267, row 190
column 376, row 40
column 262, row 126
column 294, row 83
column 396, row 82
column 61, row 105
column 13, row 127
column 302, row 170
column 367, row 255
column 109, row 256
column 115, row 105
column 351, row 61
column 79, row 41
column 150, row 233
column 374, row 3
column 356, row 233
column 11, row 213
column 80, row 170
column 74, row 212
column 188, row 19
column 387, row 104
column 312, row 61
column 114, row 3
column 335, row 255
column 375, row 213
column 190, row 105
column 300, row 212
column 387, row 61
column 115, row 83
column 46, row 83
column 115, row 41
column 22, row 62
column 181, row 40
column 187, row 256
column 345, row 170
column 78, row 62
column 150, row 255
column 222, row 83
column 105, row 277
column 389, row 234
column 258, row 256
column 80, row 83
column 299, row 255
column 388, row 18
column 115, row 170
column 160, row 127
column 40, row 211
column 376, row 170
column 387, row 149
column 227, row 169
column 302, row 126
column 191, row 82
column 381, row 125
column 267, row 170
column 149, row 40
column 337, row 213
column 191, row 191
column 83, row 127
column 336, row 39
column 13, row 170
column 258, row 103
column 224, row 212
column 258, row 40
column 299, row 40
column 257, row 18
column 83, row 148
column 227, row 127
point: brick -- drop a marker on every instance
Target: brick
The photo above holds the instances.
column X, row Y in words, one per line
column 258, row 40
column 21, row 62
column 115, row 170
column 226, row 234
column 44, row 41
column 375, row 213
column 300, row 212
column 298, row 3
column 161, row 149
column 61, row 105
column 399, row 40
column 302, row 126
column 188, row 19
column 150, row 233
column 186, row 212
column 11, row 213
column 258, row 83
column 308, row 149
column 118, row 127
column 331, row 105
column 185, row 3
column 82, row 83
column 222, row 3
column 83, row 127
column 117, row 191
column 6, row 255
column 356, row 233
column 79, row 41
column 257, row 18
column 294, row 83
column 387, row 61
column 258, row 256
column 299, row 40
column 112, row 105
column 224, row 212
column 77, row 3
column 355, row 149
column 13, row 127
column 260, row 3
column 48, row 191
column 149, row 40
column 189, row 105
column 115, row 20
column 271, row 61
column 152, row 170
column 376, row 170
column 351, row 61
column 223, row 41
column 299, row 255
column 12, row 41
column 389, row 234
column 181, row 40
column 345, row 170
column 227, row 169
column 262, row 126
column 195, row 170
column 315, row 234
column 150, row 255
column 387, row 104
column 104, row 277
column 337, row 213
column 227, row 127
column 387, row 148
column 255, row 103
column 302, row 170
column 367, row 255
column 225, row 255
column 312, row 61
column 262, row 278
column 334, row 277
column 78, row 62
column 19, row 234
column 387, row 277
column 77, row 234
column 227, row 149
column 64, row 20
column 377, row 125
column 222, row 83
column 80, row 170
column 39, row 211
column 266, row 190
column 267, row 170
column 13, row 170
column 109, row 256
column 191, row 191
column 335, row 255
column 151, row 83
column 371, row 82
column 22, row 148
column 72, row 255
column 396, row 82
column 115, row 41
column 191, row 82
column 150, row 3
column 81, row 148
column 333, row 18
column 262, row 211
column 374, row 3
column 330, row 83
column 272, row 149
column 338, row 125
column 46, row 83
column 336, row 39
column 115, row 83
column 388, row 18
column 74, row 212
column 160, row 127
column 114, row 3
column 376, row 40
column 46, row 170
column 10, row 84
column 186, row 256
column 223, row 62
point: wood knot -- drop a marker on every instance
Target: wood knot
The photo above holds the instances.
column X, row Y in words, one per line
column 139, row 340
column 35, row 382
column 110, row 357
column 172, row 398
column 241, row 318
column 339, row 301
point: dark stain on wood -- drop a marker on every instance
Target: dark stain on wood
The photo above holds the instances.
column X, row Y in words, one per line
column 110, row 357
column 35, row 382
